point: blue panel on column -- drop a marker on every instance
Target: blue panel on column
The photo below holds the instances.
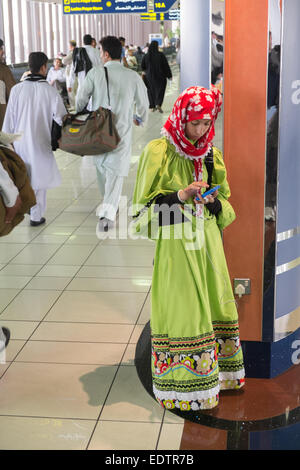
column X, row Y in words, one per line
column 288, row 199
column 288, row 250
column 287, row 292
column 289, row 118
column 269, row 359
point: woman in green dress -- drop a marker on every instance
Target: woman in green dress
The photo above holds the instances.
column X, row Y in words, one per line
column 196, row 350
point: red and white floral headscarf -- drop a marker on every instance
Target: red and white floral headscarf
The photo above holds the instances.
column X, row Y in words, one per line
column 194, row 103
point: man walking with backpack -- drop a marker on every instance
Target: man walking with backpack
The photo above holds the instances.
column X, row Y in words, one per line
column 84, row 58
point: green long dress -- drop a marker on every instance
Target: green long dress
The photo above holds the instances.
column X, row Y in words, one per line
column 196, row 349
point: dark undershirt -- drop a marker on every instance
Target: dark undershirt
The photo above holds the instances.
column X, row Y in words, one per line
column 172, row 199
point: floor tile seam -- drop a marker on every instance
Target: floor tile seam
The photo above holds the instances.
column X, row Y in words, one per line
column 40, row 322
column 64, row 243
column 160, row 430
column 24, row 265
column 110, row 278
column 4, row 372
column 114, row 378
column 44, row 417
column 132, row 421
column 105, row 290
column 117, row 266
column 66, row 341
column 58, row 290
column 80, row 419
column 7, row 305
column 104, row 364
column 4, row 266
column 69, row 205
column 141, row 311
column 70, row 323
column 40, row 232
column 102, row 407
column 76, row 342
column 79, row 290
column 75, row 275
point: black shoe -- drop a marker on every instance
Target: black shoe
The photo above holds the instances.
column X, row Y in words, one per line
column 6, row 334
column 35, row 223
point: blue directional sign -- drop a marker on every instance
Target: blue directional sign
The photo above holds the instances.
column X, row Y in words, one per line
column 172, row 15
column 73, row 7
column 160, row 7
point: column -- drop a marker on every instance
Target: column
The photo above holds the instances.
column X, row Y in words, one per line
column 195, row 43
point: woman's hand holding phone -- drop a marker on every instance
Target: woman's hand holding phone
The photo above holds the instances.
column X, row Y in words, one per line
column 192, row 189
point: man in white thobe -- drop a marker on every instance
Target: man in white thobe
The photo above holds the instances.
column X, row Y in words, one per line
column 57, row 75
column 127, row 90
column 94, row 57
column 31, row 110
column 67, row 62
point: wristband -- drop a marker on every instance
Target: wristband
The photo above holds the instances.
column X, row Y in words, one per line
column 182, row 202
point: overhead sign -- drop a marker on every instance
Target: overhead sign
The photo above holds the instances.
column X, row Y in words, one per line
column 172, row 15
column 73, row 7
column 163, row 6
column 151, row 16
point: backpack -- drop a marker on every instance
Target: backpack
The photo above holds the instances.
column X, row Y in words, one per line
column 81, row 60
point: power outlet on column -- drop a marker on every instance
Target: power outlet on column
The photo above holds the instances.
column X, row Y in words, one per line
column 241, row 286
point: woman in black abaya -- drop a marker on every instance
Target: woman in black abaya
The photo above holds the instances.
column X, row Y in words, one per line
column 156, row 70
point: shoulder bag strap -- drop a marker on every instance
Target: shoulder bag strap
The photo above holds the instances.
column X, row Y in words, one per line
column 107, row 84
column 109, row 107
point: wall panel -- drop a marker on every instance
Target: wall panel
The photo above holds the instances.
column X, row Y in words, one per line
column 245, row 70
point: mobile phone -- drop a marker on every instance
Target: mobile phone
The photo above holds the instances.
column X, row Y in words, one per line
column 210, row 191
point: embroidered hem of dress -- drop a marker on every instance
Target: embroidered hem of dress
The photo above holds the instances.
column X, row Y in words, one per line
column 240, row 374
column 186, row 396
column 166, row 134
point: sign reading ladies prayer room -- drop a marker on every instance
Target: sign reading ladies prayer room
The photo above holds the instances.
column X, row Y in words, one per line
column 73, row 7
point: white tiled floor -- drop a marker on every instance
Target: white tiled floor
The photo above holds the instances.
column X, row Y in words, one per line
column 76, row 306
